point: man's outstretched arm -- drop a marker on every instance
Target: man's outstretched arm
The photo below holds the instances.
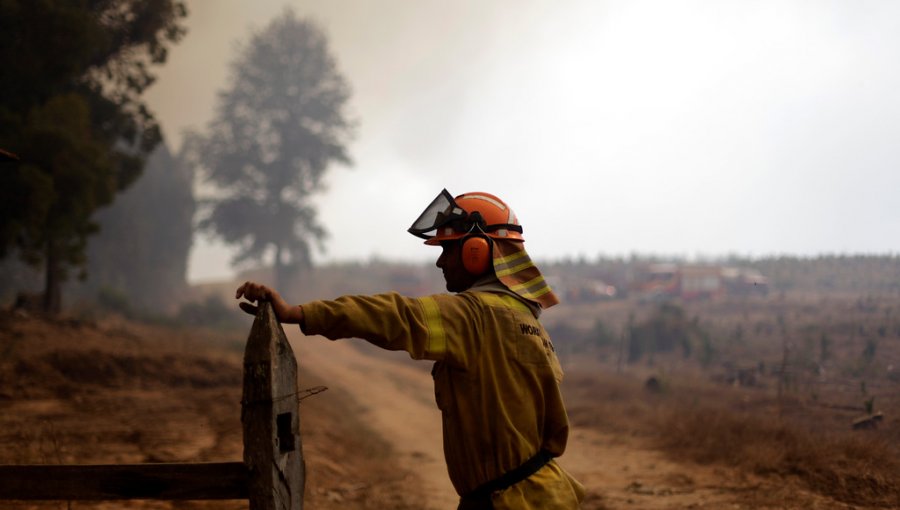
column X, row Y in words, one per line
column 256, row 292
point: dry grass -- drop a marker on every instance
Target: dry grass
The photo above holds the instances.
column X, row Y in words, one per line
column 809, row 348
column 607, row 402
column 857, row 469
column 709, row 424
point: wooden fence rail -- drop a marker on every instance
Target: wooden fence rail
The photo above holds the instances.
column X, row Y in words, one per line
column 227, row 480
column 271, row 476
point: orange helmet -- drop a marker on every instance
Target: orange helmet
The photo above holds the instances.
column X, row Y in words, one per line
column 470, row 213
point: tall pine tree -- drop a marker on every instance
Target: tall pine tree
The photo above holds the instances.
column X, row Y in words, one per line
column 71, row 108
column 278, row 128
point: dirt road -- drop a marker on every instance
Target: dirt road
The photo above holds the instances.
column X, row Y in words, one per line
column 620, row 471
column 397, row 401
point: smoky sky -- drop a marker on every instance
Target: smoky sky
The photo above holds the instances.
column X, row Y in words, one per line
column 652, row 127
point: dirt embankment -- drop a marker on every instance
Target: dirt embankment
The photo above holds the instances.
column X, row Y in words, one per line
column 117, row 392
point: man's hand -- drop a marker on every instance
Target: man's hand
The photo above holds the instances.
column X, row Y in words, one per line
column 256, row 292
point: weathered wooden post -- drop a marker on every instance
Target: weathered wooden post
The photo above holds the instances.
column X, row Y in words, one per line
column 271, row 476
column 273, row 452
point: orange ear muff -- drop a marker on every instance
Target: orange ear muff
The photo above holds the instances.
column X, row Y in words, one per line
column 476, row 254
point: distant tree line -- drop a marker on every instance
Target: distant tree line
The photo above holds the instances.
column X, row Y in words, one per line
column 666, row 330
column 830, row 273
column 825, row 273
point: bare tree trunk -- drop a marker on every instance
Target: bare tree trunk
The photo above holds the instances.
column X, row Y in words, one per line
column 623, row 340
column 783, row 381
column 52, row 280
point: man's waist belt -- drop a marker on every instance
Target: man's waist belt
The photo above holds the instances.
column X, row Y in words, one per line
column 510, row 478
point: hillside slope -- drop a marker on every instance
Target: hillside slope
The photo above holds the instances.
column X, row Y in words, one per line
column 120, row 392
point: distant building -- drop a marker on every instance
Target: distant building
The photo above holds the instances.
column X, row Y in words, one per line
column 667, row 281
column 582, row 290
column 742, row 281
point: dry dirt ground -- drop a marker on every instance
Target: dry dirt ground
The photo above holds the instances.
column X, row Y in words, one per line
column 118, row 392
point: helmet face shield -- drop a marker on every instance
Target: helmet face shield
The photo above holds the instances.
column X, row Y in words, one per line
column 442, row 211
column 448, row 218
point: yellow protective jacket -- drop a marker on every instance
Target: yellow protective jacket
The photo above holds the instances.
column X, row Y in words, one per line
column 496, row 381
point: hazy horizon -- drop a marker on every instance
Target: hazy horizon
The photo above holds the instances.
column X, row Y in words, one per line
column 649, row 127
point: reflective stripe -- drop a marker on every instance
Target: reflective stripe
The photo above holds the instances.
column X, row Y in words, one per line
column 517, row 272
column 532, row 288
column 499, row 261
column 538, row 293
column 514, row 303
column 504, row 301
column 503, row 266
column 437, row 337
column 515, row 269
column 491, row 299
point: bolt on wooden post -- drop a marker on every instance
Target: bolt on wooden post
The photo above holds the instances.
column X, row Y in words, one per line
column 273, row 452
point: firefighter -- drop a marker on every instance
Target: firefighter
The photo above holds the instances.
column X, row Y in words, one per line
column 496, row 373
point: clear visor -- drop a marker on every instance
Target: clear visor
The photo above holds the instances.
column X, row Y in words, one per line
column 442, row 210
